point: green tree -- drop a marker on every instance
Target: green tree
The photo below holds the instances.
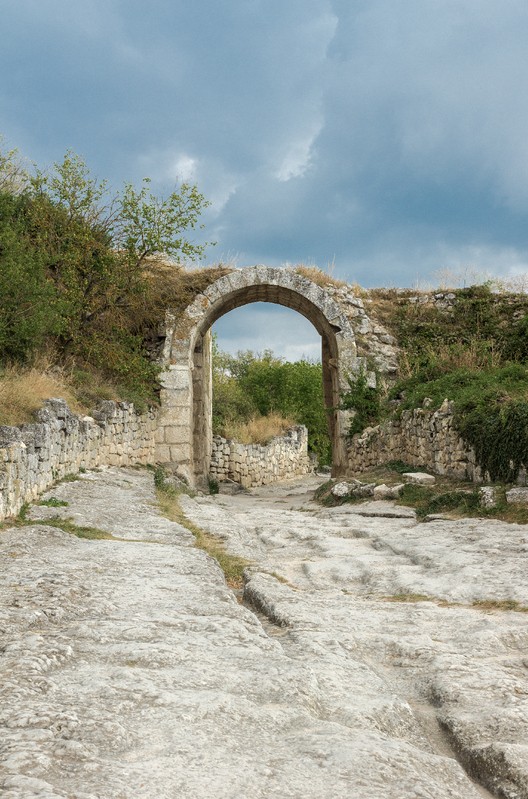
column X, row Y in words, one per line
column 29, row 303
column 72, row 265
column 148, row 225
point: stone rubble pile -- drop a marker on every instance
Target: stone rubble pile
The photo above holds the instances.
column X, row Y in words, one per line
column 34, row 456
column 255, row 465
column 355, row 489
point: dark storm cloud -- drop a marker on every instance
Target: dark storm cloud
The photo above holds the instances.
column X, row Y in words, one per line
column 387, row 135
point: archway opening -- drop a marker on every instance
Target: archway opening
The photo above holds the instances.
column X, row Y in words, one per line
column 202, row 367
column 267, row 378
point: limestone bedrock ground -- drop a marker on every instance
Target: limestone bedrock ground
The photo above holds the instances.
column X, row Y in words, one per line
column 129, row 670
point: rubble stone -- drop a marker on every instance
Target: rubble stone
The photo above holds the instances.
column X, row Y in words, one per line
column 517, row 496
column 420, row 478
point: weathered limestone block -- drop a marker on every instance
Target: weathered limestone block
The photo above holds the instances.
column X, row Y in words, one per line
column 517, row 496
column 487, row 496
column 341, row 489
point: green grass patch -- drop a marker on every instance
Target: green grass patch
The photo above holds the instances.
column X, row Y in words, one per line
column 426, row 500
column 69, row 478
column 231, row 565
column 67, row 526
column 459, row 502
column 53, row 502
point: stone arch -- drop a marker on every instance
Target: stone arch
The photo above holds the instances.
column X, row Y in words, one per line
column 184, row 435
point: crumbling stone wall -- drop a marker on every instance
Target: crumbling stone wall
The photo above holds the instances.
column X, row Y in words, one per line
column 255, row 465
column 34, row 456
column 376, row 348
column 419, row 437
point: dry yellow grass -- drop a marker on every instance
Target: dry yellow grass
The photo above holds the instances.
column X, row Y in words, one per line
column 258, row 430
column 317, row 276
column 22, row 392
column 168, row 286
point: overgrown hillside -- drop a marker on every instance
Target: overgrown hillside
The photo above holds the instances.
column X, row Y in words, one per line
column 83, row 286
column 468, row 345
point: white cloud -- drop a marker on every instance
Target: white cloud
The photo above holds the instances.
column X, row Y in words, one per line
column 298, row 156
column 262, row 326
column 184, row 169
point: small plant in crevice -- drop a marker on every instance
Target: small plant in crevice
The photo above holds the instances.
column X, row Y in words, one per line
column 169, row 484
column 214, row 488
column 232, row 565
column 53, row 502
column 365, row 400
column 159, row 477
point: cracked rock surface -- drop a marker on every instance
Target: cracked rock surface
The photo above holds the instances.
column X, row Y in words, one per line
column 128, row 669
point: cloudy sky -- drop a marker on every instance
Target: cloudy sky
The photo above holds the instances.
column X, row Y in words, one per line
column 384, row 139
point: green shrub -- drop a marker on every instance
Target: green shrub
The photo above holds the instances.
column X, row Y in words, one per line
column 490, row 412
column 30, row 309
column 74, row 278
column 365, row 400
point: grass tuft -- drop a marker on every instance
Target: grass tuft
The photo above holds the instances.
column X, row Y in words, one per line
column 232, row 565
column 478, row 604
column 318, row 276
column 258, row 430
column 408, row 597
column 500, row 604
column 67, row 526
column 53, row 502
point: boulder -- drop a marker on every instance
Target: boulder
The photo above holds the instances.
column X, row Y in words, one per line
column 340, row 490
column 518, row 496
column 387, row 492
column 420, row 478
column 488, row 496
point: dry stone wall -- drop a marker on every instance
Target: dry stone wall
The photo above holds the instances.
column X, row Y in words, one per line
column 34, row 456
column 255, row 465
column 419, row 437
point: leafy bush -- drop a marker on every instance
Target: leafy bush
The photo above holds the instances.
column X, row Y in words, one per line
column 491, row 412
column 365, row 400
column 74, row 276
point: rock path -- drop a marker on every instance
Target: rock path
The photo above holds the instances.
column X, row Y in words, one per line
column 129, row 670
